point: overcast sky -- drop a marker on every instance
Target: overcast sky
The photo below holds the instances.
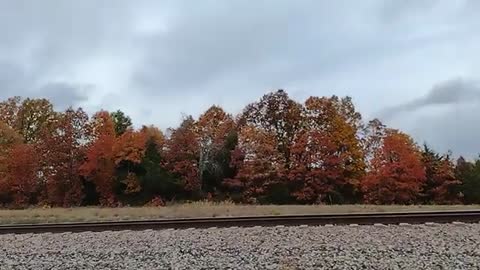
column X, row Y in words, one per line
column 415, row 64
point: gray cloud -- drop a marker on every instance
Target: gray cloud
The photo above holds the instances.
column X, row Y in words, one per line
column 450, row 128
column 451, row 92
column 64, row 95
column 12, row 79
column 444, row 118
column 43, row 43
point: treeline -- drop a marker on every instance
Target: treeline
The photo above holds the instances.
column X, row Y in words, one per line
column 276, row 151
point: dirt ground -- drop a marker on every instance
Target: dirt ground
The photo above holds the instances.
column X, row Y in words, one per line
column 198, row 209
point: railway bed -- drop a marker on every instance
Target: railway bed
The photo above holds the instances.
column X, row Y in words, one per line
column 401, row 218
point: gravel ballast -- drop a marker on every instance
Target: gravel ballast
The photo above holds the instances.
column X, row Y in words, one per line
column 445, row 246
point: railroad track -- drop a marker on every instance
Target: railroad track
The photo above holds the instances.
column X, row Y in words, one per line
column 249, row 221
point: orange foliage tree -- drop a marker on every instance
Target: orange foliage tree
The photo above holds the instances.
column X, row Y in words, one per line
column 329, row 158
column 397, row 173
column 21, row 174
column 99, row 166
column 128, row 152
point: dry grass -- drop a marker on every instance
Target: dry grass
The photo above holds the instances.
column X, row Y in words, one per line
column 197, row 209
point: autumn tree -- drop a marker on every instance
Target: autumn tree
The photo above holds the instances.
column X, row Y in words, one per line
column 316, row 171
column 99, row 166
column 20, row 174
column 154, row 135
column 214, row 128
column 372, row 139
column 274, row 119
column 275, row 151
column 63, row 150
column 9, row 144
column 328, row 157
column 9, row 111
column 397, row 173
column 28, row 117
column 441, row 185
column 260, row 165
column 33, row 117
column 182, row 155
column 8, row 138
column 121, row 122
column 128, row 152
column 276, row 114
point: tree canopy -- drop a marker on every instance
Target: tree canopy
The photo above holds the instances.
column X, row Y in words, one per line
column 277, row 150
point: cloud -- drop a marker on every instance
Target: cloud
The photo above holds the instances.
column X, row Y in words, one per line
column 64, row 95
column 450, row 128
column 43, row 43
column 451, row 92
column 13, row 79
column 445, row 117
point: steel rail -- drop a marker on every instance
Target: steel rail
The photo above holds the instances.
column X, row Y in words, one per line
column 249, row 221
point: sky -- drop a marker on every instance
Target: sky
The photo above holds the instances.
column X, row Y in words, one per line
column 415, row 64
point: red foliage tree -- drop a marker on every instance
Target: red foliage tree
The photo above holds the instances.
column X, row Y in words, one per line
column 259, row 163
column 397, row 173
column 63, row 148
column 182, row 155
column 316, row 171
column 99, row 166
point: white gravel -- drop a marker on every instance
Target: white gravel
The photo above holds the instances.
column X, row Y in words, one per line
column 449, row 246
